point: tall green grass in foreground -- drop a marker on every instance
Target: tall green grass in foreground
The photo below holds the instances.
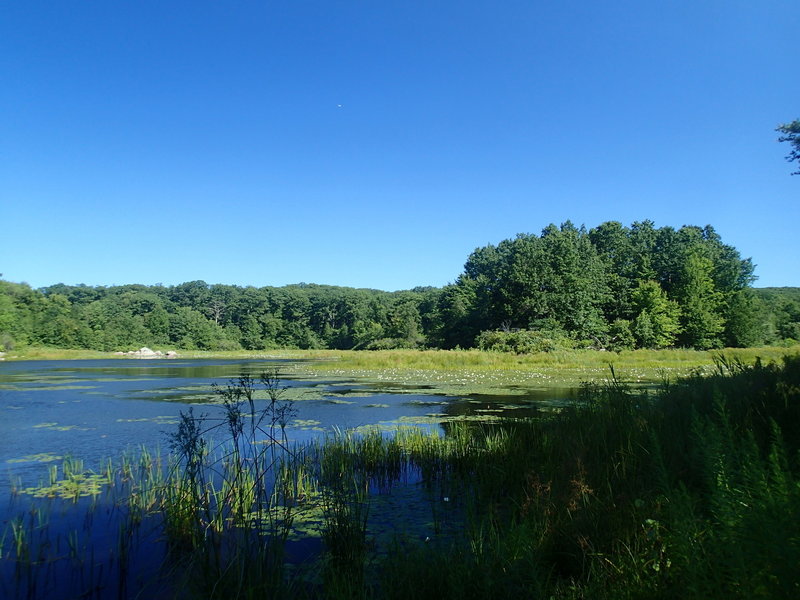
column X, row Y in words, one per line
column 688, row 491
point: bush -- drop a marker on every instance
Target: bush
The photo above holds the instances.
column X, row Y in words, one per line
column 225, row 344
column 524, row 341
column 393, row 344
column 6, row 342
column 620, row 336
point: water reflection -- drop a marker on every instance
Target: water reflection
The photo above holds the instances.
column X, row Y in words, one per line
column 98, row 409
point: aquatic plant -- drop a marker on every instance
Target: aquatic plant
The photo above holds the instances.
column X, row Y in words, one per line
column 689, row 490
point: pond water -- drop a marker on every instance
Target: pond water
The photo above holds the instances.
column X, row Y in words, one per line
column 95, row 410
column 98, row 410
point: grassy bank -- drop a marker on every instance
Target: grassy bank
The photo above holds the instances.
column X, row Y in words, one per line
column 42, row 353
column 474, row 371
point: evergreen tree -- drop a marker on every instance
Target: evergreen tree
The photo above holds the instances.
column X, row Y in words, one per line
column 791, row 134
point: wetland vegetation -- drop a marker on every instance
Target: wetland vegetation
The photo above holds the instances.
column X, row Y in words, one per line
column 684, row 488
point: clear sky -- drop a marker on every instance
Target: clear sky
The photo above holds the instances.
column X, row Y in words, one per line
column 377, row 143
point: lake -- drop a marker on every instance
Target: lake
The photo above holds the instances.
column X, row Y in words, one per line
column 96, row 410
column 99, row 410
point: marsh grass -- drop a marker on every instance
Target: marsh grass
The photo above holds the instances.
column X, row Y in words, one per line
column 479, row 373
column 689, row 490
column 568, row 360
column 446, row 360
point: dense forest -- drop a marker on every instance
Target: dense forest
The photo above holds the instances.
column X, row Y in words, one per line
column 611, row 287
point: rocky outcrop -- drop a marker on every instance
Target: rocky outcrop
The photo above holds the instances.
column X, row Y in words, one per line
column 147, row 353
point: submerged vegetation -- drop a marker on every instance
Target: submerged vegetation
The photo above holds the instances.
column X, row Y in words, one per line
column 691, row 490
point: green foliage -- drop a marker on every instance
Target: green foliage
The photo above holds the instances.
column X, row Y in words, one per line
column 191, row 330
column 195, row 315
column 745, row 325
column 701, row 319
column 663, row 287
column 16, row 323
column 555, row 276
column 462, row 314
column 791, row 134
column 56, row 324
column 673, row 286
column 524, row 341
column 620, row 335
column 657, row 322
column 780, row 308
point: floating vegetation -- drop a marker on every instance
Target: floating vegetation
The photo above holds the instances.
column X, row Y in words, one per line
column 124, row 379
column 419, row 420
column 77, row 486
column 348, row 390
column 307, row 425
column 76, row 482
column 355, row 394
column 185, row 389
column 300, row 393
column 426, row 402
column 344, row 389
column 159, row 420
column 58, row 388
column 57, row 427
column 42, row 457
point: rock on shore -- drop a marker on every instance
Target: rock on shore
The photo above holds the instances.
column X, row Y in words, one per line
column 148, row 353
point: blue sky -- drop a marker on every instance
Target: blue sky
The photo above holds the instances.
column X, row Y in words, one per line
column 376, row 144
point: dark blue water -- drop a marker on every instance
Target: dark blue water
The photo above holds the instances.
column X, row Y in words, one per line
column 98, row 409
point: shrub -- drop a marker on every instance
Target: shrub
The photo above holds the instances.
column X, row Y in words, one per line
column 620, row 336
column 524, row 341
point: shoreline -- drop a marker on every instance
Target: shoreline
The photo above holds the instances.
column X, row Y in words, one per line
column 466, row 371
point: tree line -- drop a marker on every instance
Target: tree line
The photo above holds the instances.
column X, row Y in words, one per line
column 196, row 315
column 611, row 287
